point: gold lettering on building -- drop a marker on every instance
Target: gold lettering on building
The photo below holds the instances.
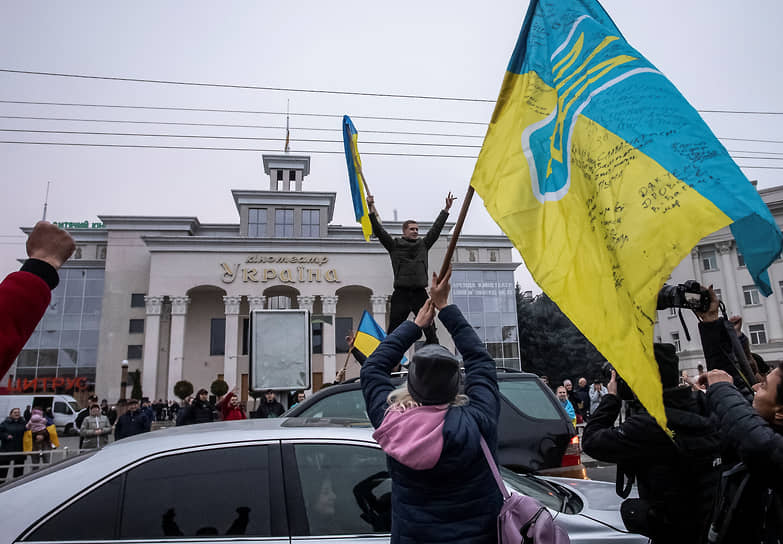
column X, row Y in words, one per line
column 284, row 259
column 302, row 274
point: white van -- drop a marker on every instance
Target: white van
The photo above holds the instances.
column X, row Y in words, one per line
column 64, row 408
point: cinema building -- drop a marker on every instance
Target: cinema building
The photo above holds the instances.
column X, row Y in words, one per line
column 170, row 296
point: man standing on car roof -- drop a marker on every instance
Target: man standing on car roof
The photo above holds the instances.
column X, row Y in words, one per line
column 408, row 255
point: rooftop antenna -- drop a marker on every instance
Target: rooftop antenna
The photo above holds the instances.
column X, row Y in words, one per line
column 46, row 200
column 287, row 134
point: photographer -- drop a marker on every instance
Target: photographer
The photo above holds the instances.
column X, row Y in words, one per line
column 749, row 507
column 676, row 478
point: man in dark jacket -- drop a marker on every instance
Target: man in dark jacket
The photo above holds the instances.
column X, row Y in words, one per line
column 198, row 411
column 752, row 433
column 269, row 407
column 676, row 478
column 11, row 436
column 409, row 264
column 132, row 422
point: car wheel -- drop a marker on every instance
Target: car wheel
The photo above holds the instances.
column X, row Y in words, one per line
column 70, row 430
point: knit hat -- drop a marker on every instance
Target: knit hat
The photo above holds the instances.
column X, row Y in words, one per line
column 668, row 364
column 433, row 375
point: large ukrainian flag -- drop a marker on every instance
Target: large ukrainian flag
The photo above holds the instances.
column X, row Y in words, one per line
column 351, row 144
column 605, row 178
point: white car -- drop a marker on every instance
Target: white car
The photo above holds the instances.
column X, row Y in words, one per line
column 285, row 480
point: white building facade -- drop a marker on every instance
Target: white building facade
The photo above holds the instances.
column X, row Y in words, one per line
column 172, row 296
column 716, row 261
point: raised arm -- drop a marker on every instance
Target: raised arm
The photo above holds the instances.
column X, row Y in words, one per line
column 434, row 232
column 377, row 229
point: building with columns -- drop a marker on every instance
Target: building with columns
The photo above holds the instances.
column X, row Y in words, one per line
column 172, row 296
column 715, row 261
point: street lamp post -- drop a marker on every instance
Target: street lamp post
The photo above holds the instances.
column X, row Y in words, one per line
column 124, row 379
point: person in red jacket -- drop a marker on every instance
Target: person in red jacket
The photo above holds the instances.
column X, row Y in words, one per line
column 230, row 408
column 25, row 295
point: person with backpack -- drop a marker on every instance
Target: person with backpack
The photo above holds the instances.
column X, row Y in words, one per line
column 749, row 504
column 443, row 489
column 676, row 478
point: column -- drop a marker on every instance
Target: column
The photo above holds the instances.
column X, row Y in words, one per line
column 149, row 372
column 179, row 309
column 733, row 302
column 379, row 309
column 696, row 262
column 329, row 303
column 306, row 302
column 256, row 302
column 772, row 307
column 231, row 351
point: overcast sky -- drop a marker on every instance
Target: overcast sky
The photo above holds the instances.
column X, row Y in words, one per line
column 721, row 54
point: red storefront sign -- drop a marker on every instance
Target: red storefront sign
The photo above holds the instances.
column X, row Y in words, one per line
column 40, row 385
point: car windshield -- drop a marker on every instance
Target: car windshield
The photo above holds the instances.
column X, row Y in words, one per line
column 74, row 406
column 547, row 493
column 56, row 465
column 348, row 404
column 529, row 398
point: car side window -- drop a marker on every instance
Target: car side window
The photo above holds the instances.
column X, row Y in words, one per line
column 346, row 489
column 529, row 398
column 348, row 404
column 92, row 517
column 222, row 491
column 60, row 408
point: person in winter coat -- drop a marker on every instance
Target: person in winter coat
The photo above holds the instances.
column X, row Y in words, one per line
column 95, row 429
column 132, row 422
column 677, row 477
column 25, row 295
column 11, row 433
column 409, row 263
column 230, row 408
column 597, row 392
column 753, row 435
column 562, row 396
column 442, row 487
column 198, row 411
column 269, row 407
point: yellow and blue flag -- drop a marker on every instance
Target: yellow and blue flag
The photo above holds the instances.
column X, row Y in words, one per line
column 369, row 335
column 355, row 176
column 605, row 178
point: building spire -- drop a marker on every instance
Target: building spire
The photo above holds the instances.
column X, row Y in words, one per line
column 46, row 200
column 287, row 133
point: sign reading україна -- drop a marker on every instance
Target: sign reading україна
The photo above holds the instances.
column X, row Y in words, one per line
column 308, row 269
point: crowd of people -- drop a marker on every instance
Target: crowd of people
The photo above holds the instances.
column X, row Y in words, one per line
column 715, row 474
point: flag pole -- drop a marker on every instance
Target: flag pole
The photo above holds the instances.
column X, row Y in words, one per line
column 463, row 212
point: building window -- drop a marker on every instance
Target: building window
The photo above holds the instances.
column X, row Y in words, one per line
column 245, row 334
column 676, row 341
column 343, row 326
column 493, row 255
column 217, row 336
column 472, row 255
column 137, row 300
column 718, row 294
column 318, row 337
column 279, row 175
column 284, row 223
column 758, row 334
column 708, row 260
column 256, row 222
column 740, row 259
column 751, row 295
column 100, row 253
column 311, row 223
column 281, row 302
column 672, row 311
column 136, row 326
column 135, row 352
column 292, row 175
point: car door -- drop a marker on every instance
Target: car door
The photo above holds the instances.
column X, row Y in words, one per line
column 221, row 493
column 337, row 491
